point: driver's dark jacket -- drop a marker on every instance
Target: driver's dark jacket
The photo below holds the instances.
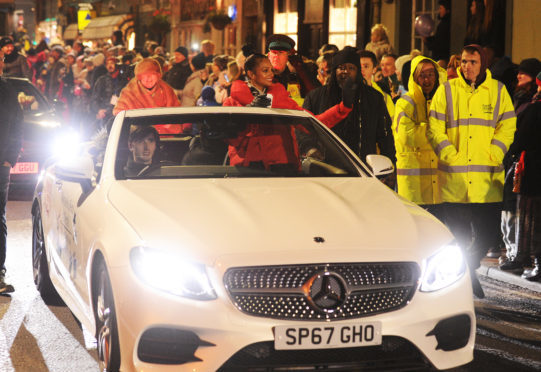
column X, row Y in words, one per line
column 11, row 123
column 133, row 169
column 370, row 109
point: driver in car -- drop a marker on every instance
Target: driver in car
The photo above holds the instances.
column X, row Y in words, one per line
column 142, row 143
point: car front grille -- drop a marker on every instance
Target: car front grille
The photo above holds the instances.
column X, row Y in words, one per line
column 322, row 291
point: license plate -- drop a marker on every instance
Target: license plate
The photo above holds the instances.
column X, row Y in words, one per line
column 25, row 168
column 327, row 335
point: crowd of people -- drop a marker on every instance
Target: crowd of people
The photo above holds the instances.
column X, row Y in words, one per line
column 456, row 125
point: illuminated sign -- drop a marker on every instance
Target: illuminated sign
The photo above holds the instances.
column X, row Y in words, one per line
column 83, row 18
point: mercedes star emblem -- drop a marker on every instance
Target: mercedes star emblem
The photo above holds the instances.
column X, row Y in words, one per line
column 325, row 291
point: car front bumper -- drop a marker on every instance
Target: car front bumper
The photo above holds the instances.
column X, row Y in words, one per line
column 429, row 323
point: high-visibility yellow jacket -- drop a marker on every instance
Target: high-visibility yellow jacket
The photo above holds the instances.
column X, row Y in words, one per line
column 416, row 162
column 470, row 130
column 387, row 98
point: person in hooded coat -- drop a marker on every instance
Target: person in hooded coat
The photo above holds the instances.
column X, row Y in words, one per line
column 471, row 126
column 417, row 163
column 147, row 90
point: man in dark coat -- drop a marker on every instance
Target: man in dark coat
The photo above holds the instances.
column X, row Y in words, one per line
column 179, row 73
column 11, row 131
column 368, row 126
column 55, row 73
column 106, row 92
column 15, row 63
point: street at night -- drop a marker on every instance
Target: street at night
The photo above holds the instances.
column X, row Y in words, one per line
column 36, row 337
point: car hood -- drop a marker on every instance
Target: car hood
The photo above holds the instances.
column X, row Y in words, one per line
column 242, row 221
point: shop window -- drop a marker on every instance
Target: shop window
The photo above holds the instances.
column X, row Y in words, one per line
column 343, row 23
column 286, row 18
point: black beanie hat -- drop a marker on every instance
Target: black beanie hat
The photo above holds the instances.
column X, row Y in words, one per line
column 346, row 55
column 530, row 66
column 199, row 61
column 5, row 41
column 182, row 51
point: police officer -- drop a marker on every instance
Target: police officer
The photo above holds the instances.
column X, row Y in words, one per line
column 289, row 69
column 472, row 124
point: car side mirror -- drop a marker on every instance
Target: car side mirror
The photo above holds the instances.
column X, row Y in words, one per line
column 78, row 169
column 381, row 165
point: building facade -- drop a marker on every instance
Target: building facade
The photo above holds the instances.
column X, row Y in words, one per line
column 311, row 23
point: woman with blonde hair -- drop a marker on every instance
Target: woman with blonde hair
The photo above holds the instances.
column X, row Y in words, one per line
column 379, row 41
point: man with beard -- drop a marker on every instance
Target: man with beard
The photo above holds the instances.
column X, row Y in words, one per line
column 14, row 63
column 289, row 69
column 368, row 126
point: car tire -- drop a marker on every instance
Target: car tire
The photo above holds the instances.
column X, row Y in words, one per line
column 40, row 269
column 106, row 326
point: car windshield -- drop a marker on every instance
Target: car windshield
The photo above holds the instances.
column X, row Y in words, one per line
column 222, row 145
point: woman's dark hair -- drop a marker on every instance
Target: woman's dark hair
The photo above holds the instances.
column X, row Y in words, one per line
column 253, row 61
column 473, row 32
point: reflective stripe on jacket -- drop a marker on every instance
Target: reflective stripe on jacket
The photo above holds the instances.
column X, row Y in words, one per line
column 470, row 130
column 416, row 162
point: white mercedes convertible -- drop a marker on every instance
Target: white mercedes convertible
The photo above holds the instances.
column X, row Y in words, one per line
column 246, row 239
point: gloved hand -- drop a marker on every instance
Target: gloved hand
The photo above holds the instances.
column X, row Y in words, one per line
column 260, row 101
column 295, row 60
column 349, row 92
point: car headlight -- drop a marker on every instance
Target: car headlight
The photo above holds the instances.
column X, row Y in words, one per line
column 443, row 268
column 49, row 123
column 66, row 144
column 171, row 274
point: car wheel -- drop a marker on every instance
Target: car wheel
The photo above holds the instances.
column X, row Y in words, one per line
column 39, row 261
column 107, row 334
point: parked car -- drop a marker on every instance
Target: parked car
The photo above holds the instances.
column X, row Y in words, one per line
column 41, row 125
column 234, row 250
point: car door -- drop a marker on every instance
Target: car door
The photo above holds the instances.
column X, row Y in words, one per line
column 68, row 195
column 52, row 212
